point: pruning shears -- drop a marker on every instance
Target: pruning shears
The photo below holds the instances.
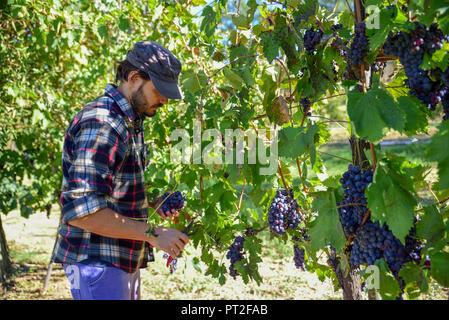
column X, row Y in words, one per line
column 171, row 262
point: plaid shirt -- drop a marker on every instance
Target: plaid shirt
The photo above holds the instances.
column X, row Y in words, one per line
column 102, row 162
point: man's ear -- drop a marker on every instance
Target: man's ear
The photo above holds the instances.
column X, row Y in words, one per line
column 133, row 77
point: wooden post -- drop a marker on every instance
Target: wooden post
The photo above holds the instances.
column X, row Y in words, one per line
column 5, row 261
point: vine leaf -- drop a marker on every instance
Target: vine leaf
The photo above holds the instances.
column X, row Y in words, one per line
column 440, row 268
column 270, row 46
column 210, row 21
column 293, row 142
column 431, row 227
column 374, row 113
column 415, row 279
column 326, row 228
column 246, row 15
column 390, row 202
column 437, row 151
column 388, row 286
column 233, row 78
column 415, row 117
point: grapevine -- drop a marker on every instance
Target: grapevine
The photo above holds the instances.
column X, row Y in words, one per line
column 372, row 240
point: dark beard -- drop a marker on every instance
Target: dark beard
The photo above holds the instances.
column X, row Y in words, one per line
column 138, row 103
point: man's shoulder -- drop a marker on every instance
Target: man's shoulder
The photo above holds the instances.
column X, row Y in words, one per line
column 103, row 111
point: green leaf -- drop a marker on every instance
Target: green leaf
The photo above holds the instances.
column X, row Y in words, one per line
column 415, row 280
column 233, row 78
column 124, row 23
column 431, row 226
column 389, row 202
column 190, row 178
column 379, row 26
column 209, row 23
column 294, row 142
column 190, row 81
column 270, row 46
column 388, row 286
column 440, row 268
column 415, row 117
column 245, row 16
column 196, row 264
column 102, row 31
column 437, row 151
column 374, row 113
column 326, row 228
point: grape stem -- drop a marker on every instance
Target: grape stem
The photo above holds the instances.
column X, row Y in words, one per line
column 201, row 189
column 319, row 24
column 241, row 197
column 334, row 156
column 439, row 203
column 350, row 205
column 350, row 9
column 236, row 27
column 373, row 156
column 386, row 58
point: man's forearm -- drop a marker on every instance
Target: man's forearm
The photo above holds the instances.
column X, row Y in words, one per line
column 108, row 223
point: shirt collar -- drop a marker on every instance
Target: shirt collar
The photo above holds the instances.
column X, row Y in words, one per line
column 124, row 105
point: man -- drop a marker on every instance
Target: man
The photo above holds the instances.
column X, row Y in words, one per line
column 104, row 239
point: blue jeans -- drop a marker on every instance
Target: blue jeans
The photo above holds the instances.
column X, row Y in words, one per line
column 99, row 280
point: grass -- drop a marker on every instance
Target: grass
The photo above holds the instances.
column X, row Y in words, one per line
column 413, row 152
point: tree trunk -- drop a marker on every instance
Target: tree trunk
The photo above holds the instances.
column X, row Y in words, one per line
column 350, row 283
column 5, row 262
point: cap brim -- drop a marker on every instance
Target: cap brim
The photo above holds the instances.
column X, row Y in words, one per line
column 170, row 90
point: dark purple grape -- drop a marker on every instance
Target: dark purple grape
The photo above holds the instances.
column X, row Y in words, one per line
column 359, row 46
column 410, row 47
column 352, row 208
column 312, row 38
column 235, row 253
column 298, row 257
column 175, row 201
column 306, row 106
column 283, row 215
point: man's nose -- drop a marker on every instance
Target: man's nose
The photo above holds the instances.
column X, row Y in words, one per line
column 163, row 100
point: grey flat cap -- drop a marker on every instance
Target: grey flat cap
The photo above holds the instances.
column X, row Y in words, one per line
column 161, row 65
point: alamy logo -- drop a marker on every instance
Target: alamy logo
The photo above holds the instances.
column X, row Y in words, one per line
column 372, row 20
column 373, row 277
column 224, row 146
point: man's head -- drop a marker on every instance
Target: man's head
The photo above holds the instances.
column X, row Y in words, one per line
column 149, row 77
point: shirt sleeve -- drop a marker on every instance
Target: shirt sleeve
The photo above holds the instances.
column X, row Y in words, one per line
column 97, row 152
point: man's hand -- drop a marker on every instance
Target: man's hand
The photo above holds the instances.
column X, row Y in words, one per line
column 164, row 215
column 169, row 240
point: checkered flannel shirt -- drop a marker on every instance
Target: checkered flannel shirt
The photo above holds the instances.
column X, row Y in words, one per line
column 102, row 161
